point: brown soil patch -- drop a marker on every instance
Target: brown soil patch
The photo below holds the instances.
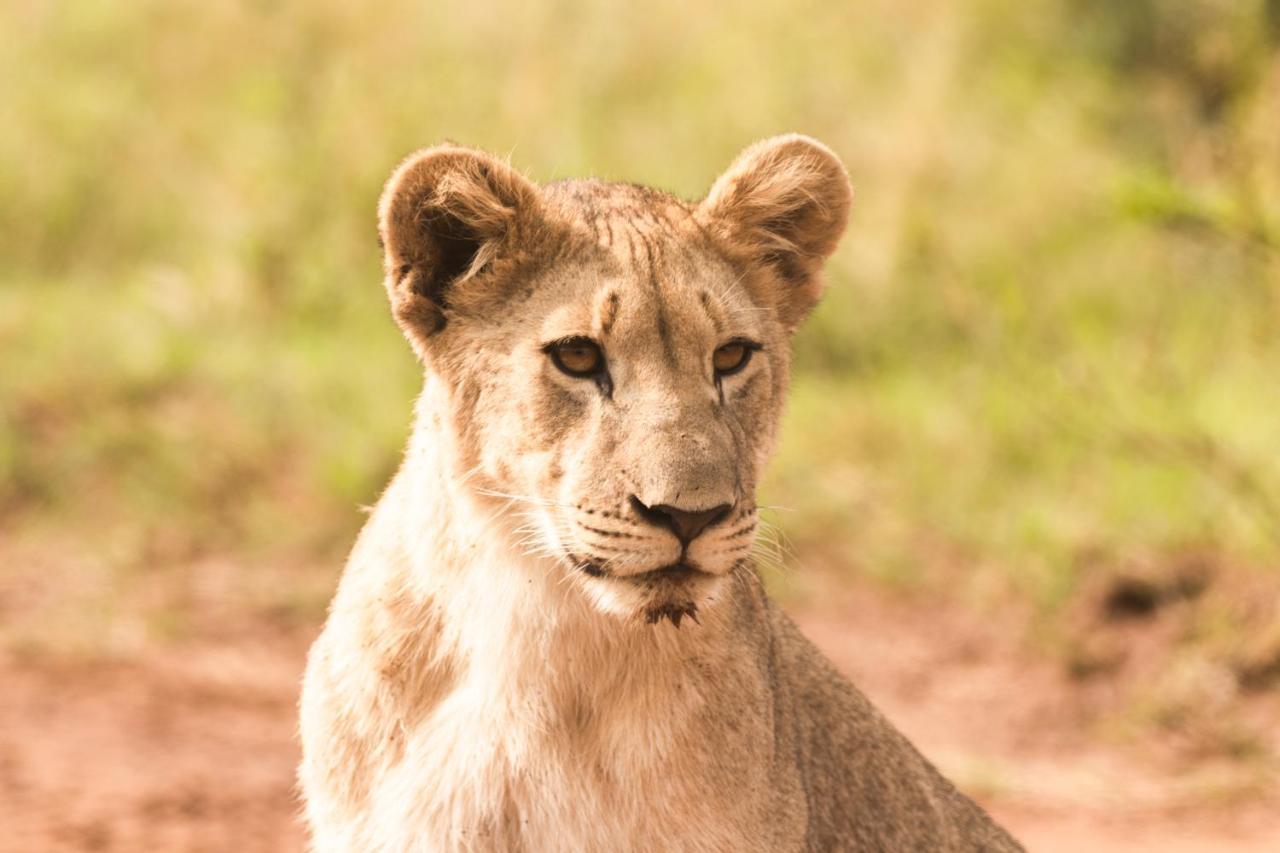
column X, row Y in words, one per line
column 1032, row 743
column 193, row 749
column 188, row 751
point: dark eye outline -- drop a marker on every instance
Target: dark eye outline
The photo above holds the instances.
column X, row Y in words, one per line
column 597, row 370
column 749, row 348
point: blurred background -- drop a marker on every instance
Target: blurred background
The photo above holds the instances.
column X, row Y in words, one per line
column 1029, row 484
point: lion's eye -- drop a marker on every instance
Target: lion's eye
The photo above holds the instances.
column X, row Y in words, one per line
column 578, row 357
column 732, row 357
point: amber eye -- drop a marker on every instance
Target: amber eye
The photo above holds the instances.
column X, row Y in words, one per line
column 578, row 357
column 732, row 357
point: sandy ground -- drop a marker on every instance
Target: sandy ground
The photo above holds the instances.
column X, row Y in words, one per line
column 193, row 749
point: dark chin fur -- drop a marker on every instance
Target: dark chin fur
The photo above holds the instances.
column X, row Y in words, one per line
column 671, row 610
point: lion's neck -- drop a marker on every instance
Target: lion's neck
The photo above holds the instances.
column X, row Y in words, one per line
column 480, row 675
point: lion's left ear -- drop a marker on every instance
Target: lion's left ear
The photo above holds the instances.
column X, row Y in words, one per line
column 782, row 206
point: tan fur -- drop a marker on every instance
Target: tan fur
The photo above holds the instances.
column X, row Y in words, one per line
column 507, row 664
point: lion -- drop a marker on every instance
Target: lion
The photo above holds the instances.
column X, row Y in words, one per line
column 550, row 634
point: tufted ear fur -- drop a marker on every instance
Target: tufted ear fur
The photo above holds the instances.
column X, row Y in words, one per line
column 447, row 215
column 782, row 206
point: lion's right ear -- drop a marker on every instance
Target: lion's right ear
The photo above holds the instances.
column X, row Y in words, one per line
column 448, row 215
column 782, row 206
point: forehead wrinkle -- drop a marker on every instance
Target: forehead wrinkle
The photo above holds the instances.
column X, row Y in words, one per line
column 663, row 322
column 712, row 310
column 630, row 235
column 606, row 311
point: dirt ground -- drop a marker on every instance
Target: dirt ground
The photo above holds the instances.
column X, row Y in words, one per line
column 192, row 749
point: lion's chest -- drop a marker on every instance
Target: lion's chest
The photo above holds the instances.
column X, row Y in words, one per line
column 533, row 774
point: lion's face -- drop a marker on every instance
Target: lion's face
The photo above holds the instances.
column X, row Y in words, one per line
column 616, row 358
column 628, row 405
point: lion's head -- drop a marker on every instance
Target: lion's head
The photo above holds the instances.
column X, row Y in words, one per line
column 616, row 358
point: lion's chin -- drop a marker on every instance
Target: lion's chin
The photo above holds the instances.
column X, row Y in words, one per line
column 672, row 612
column 669, row 594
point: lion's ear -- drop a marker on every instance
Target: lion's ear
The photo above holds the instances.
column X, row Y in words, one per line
column 782, row 206
column 447, row 215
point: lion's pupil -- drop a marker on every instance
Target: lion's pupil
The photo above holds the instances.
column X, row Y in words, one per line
column 727, row 358
column 579, row 358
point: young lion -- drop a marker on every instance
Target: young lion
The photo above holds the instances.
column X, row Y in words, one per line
column 550, row 635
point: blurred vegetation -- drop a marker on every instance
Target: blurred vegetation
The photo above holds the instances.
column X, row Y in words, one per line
column 1049, row 353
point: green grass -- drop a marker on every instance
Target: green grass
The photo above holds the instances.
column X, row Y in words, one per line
column 1050, row 348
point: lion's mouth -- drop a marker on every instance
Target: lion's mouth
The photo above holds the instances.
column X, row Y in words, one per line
column 674, row 573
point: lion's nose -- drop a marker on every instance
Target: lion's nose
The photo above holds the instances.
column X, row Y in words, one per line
column 685, row 524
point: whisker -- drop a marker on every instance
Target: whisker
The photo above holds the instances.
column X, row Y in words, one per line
column 523, row 498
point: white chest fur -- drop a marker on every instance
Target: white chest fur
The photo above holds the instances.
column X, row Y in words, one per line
column 526, row 772
column 462, row 697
